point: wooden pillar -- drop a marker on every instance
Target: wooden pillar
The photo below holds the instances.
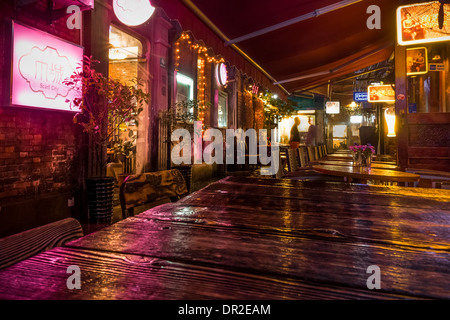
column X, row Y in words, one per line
column 96, row 24
column 159, row 92
column 401, row 106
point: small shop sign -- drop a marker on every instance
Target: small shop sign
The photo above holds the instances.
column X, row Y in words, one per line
column 360, row 96
column 381, row 93
column 436, row 67
column 40, row 64
column 332, row 107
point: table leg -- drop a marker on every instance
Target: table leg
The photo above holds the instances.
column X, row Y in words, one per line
column 348, row 179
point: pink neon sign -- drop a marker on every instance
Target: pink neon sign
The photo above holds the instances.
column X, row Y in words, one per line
column 221, row 74
column 41, row 62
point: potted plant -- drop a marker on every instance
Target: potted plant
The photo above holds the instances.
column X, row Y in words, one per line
column 181, row 116
column 102, row 102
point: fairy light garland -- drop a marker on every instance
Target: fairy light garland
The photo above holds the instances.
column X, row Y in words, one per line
column 203, row 58
column 201, row 90
column 201, row 50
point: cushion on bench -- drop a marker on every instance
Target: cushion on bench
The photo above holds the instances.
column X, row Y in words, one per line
column 23, row 245
column 140, row 189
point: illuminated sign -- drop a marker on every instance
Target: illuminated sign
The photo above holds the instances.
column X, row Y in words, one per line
column 41, row 62
column 133, row 12
column 332, row 107
column 221, row 74
column 416, row 61
column 382, row 93
column 356, row 119
column 419, row 23
column 360, row 96
column 255, row 89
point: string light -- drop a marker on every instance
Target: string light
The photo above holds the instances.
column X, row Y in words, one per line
column 201, row 50
column 203, row 58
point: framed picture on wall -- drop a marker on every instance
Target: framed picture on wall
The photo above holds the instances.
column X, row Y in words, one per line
column 416, row 61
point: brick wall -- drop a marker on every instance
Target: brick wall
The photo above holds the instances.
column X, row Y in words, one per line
column 36, row 152
column 36, row 146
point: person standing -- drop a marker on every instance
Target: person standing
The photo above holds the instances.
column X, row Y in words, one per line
column 311, row 135
column 295, row 134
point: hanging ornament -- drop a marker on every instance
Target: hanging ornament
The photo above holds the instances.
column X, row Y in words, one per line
column 441, row 13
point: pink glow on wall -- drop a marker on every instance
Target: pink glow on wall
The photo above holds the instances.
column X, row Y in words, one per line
column 41, row 62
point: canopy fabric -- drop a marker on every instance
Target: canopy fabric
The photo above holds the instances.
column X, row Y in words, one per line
column 315, row 50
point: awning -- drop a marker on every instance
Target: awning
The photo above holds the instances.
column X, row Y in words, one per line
column 325, row 46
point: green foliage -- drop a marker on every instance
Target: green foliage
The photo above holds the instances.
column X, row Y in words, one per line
column 275, row 110
column 181, row 115
column 104, row 101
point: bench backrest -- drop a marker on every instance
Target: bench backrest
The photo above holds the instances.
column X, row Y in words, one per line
column 144, row 188
column 26, row 244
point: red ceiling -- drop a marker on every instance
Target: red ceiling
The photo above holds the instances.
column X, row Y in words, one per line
column 316, row 45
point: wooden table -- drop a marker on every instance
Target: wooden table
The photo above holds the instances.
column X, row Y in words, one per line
column 254, row 238
column 378, row 165
column 365, row 174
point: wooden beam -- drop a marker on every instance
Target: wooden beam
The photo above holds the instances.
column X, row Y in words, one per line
column 401, row 106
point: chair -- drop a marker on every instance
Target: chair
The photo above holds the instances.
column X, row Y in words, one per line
column 316, row 153
column 311, row 154
column 292, row 159
column 303, row 156
column 145, row 188
column 26, row 244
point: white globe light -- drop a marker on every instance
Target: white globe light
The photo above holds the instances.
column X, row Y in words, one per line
column 133, row 12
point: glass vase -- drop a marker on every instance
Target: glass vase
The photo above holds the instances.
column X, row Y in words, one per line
column 366, row 160
column 357, row 159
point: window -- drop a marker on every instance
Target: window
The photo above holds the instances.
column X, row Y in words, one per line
column 339, row 135
column 222, row 110
column 185, row 94
column 429, row 92
column 126, row 64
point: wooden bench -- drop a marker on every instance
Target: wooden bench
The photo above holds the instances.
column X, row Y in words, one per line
column 436, row 177
column 23, row 245
column 145, row 188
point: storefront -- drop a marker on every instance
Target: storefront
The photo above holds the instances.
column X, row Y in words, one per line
column 422, row 87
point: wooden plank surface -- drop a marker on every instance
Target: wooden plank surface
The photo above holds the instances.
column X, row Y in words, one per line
column 413, row 227
column 275, row 191
column 409, row 271
column 117, row 276
column 257, row 238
